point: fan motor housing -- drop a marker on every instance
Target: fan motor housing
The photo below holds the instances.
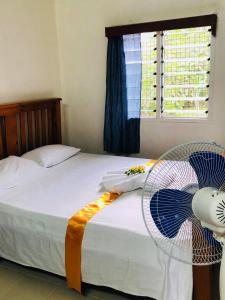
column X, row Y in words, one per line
column 208, row 206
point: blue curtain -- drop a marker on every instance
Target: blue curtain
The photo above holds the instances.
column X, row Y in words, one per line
column 122, row 107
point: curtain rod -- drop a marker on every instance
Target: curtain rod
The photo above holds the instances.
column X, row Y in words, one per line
column 198, row 21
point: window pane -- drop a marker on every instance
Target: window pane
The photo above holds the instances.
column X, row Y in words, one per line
column 149, row 69
column 185, row 75
column 184, row 108
column 132, row 50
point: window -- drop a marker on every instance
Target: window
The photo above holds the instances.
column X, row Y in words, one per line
column 185, row 72
column 174, row 66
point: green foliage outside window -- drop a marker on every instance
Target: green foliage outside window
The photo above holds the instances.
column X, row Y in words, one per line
column 185, row 67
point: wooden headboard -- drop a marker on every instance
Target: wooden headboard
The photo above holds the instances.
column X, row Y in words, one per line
column 28, row 125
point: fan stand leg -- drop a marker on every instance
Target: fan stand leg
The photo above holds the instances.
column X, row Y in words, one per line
column 222, row 275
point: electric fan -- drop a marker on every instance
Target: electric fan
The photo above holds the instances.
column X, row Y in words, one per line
column 183, row 205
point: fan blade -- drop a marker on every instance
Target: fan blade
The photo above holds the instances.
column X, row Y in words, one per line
column 209, row 168
column 169, row 209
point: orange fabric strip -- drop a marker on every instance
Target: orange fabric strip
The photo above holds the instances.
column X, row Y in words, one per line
column 75, row 233
column 74, row 237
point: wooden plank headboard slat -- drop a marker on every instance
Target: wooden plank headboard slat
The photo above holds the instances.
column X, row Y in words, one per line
column 1, row 139
column 11, row 134
column 37, row 129
column 44, row 126
column 49, row 120
column 30, row 130
column 23, row 132
column 26, row 125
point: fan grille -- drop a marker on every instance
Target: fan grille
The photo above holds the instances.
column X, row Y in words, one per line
column 173, row 171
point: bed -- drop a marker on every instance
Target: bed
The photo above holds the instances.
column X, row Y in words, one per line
column 34, row 217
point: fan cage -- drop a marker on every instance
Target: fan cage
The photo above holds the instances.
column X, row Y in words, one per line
column 172, row 170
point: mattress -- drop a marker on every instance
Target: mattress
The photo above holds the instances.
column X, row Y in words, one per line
column 117, row 250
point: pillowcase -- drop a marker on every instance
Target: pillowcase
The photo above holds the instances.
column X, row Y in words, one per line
column 51, row 155
column 15, row 171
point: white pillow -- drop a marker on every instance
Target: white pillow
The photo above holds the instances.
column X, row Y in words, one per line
column 15, row 170
column 51, row 155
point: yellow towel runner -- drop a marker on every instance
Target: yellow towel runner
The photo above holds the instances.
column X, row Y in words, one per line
column 75, row 233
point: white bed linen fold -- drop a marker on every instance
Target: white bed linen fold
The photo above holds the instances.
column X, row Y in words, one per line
column 117, row 250
column 119, row 182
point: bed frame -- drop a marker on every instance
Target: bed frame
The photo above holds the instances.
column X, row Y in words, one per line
column 26, row 125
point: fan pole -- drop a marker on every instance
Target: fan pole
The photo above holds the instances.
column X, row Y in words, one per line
column 222, row 274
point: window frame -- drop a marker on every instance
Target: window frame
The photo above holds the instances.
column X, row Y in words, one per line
column 198, row 21
column 159, row 115
column 159, row 27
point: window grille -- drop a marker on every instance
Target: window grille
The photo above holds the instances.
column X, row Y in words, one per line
column 132, row 49
column 169, row 70
column 149, row 74
column 185, row 72
column 168, row 66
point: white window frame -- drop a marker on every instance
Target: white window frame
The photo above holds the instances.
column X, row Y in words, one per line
column 159, row 117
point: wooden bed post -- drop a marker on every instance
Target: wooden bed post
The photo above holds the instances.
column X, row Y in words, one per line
column 202, row 274
column 202, row 282
column 57, row 122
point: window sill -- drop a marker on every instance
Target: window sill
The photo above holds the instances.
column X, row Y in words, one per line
column 175, row 120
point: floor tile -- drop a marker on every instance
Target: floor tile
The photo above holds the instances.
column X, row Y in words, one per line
column 31, row 272
column 63, row 293
column 102, row 293
column 29, row 288
column 21, row 283
column 8, row 280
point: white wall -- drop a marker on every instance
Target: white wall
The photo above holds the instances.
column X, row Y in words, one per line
column 80, row 25
column 29, row 62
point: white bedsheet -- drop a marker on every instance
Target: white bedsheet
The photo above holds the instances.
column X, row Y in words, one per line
column 117, row 250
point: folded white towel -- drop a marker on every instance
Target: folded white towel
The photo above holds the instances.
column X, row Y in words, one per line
column 118, row 181
column 164, row 175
